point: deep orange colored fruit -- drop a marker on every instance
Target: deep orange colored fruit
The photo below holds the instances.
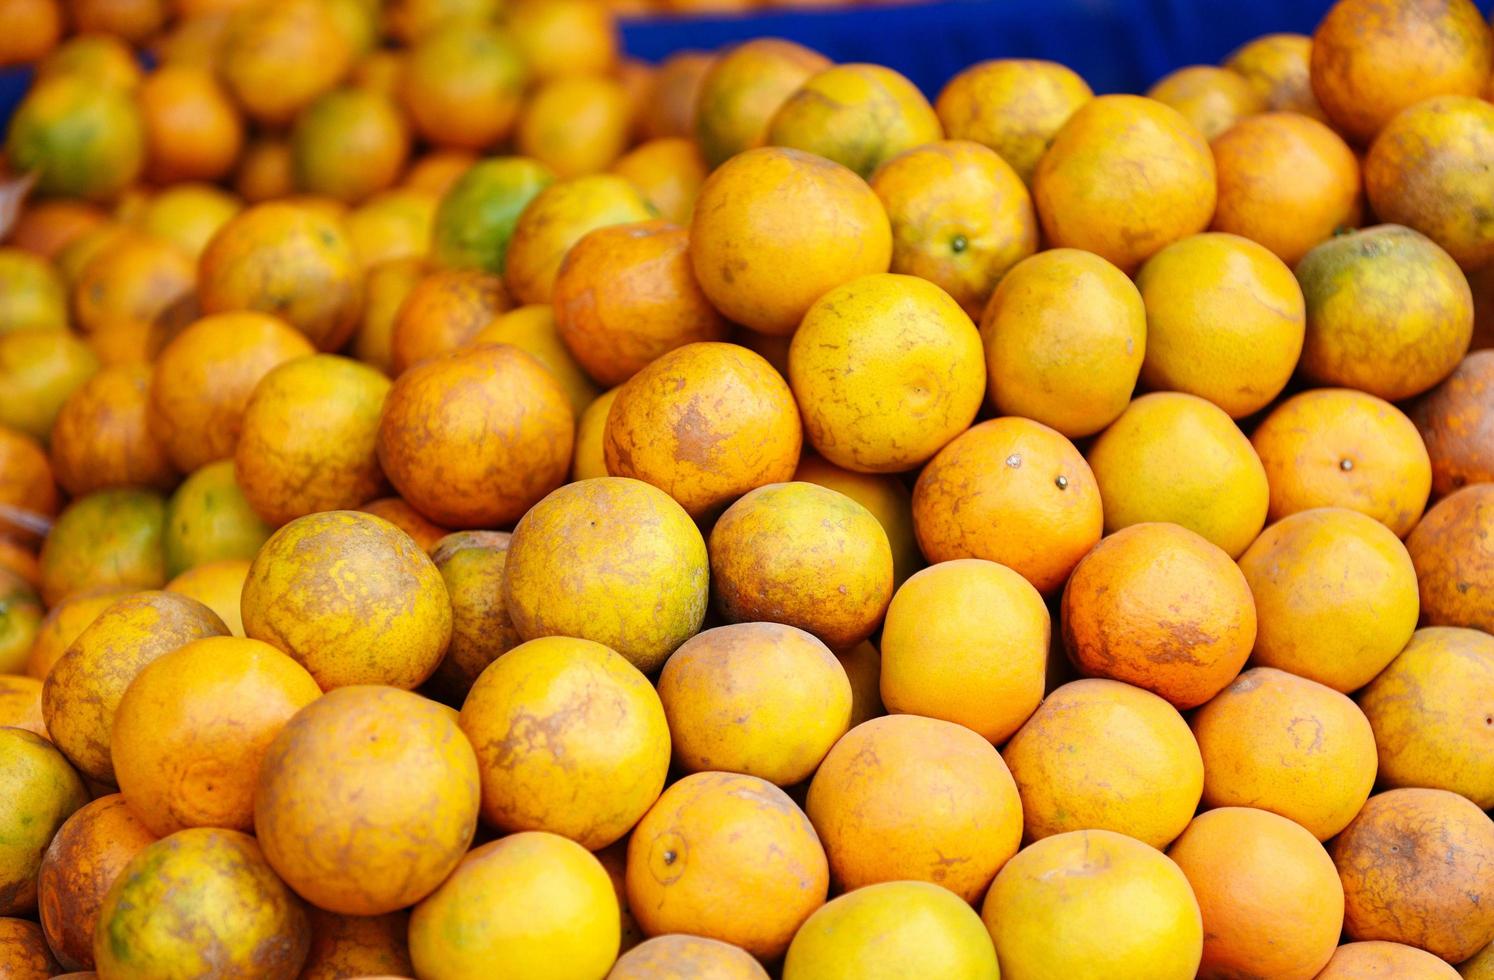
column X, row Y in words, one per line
column 669, row 171
column 669, row 110
column 1454, row 556
column 443, row 311
column 279, row 56
column 102, row 436
column 192, row 128
column 1456, row 420
column 1373, row 959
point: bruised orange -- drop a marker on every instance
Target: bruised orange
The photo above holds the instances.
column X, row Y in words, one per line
column 192, row 128
column 1012, row 105
column 742, row 90
column 443, row 311
column 473, row 566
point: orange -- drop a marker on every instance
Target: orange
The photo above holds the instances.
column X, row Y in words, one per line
column 681, row 956
column 26, row 482
column 558, row 217
column 609, row 560
column 1336, row 595
column 727, row 857
column 83, row 139
column 208, row 520
column 1013, row 105
column 45, row 228
column 532, row 329
column 409, row 20
column 424, row 532
column 1479, row 966
column 351, row 598
column 348, row 144
column 21, row 561
column 79, row 866
column 473, row 564
column 41, row 791
column 1225, row 320
column 1428, row 709
column 20, row 703
column 392, row 225
column 193, row 726
column 131, row 20
column 961, row 218
column 20, row 620
column 882, row 494
column 1372, row 960
column 349, row 781
column 188, row 216
column 462, row 86
column 196, row 39
column 135, row 277
column 669, row 110
column 1013, row 491
column 265, row 170
column 1277, row 67
column 280, row 55
column 64, row 621
column 23, row 950
column 33, row 28
column 437, row 170
column 705, row 423
column 102, row 438
column 1270, row 896
column 966, row 641
column 475, row 437
column 379, row 71
column 289, row 260
column 96, row 58
column 1283, row 743
column 918, row 799
column 39, row 370
column 1371, row 59
column 758, row 261
column 357, row 945
column 1124, row 177
column 200, row 881
column 217, row 585
column 669, row 172
column 1093, row 903
column 1454, row 557
column 1457, row 421
column 192, row 128
column 1176, row 458
column 605, row 753
column 32, row 293
column 1064, row 334
column 858, row 115
column 71, row 260
column 1423, row 169
column 1212, row 99
column 575, row 124
column 84, row 687
column 588, row 460
column 1336, row 447
column 529, row 905
column 477, row 214
column 385, row 289
column 563, row 37
column 1414, row 864
column 742, row 90
column 626, row 294
column 112, row 537
column 204, row 377
column 442, row 312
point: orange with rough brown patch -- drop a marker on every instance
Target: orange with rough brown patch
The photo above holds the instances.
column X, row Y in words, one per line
column 193, row 131
column 135, row 277
column 1456, row 421
column 23, row 949
column 357, row 946
column 472, row 564
column 102, row 436
column 741, row 91
column 1453, row 551
column 442, row 312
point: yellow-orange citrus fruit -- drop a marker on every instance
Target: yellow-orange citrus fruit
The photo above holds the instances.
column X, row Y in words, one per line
column 1012, row 105
column 669, row 110
column 669, row 172
column 41, row 791
column 1278, row 67
column 102, row 438
column 884, row 495
column 473, row 564
column 444, row 310
column 279, row 56
column 349, row 144
column 1456, row 420
column 1453, row 552
column 555, row 220
column 858, row 115
column 680, row 956
column 133, row 278
column 64, row 621
column 193, row 130
column 20, row 703
column 1373, row 959
column 24, row 953
column 588, row 460
column 385, row 289
column 741, row 91
column 35, row 26
column 112, row 537
column 188, row 215
column 34, row 294
column 575, row 124
column 1212, row 99
column 564, row 37
column 208, row 520
column 421, row 529
column 357, row 945
column 393, row 224
column 20, row 621
column 81, row 138
column 217, row 585
column 39, row 369
column 532, row 329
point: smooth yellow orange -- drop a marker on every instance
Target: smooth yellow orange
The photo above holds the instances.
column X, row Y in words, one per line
column 564, row 37
column 669, row 171
column 208, row 519
column 588, row 460
column 1454, row 558
column 556, row 219
column 680, row 956
column 1012, row 105
column 277, row 57
column 742, row 90
column 1278, row 67
column 39, row 369
column 217, row 585
column 41, row 792
column 392, row 225
column 858, row 115
column 65, row 619
column 1212, row 99
column 34, row 296
column 575, row 124
column 532, row 329
column 188, row 215
column 21, row 614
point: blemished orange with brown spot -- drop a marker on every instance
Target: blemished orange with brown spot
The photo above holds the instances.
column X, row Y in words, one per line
column 1336, row 447
column 1012, row 105
column 742, row 90
column 194, row 725
column 473, row 565
column 443, row 311
column 884, row 495
column 1157, row 606
column 532, row 329
column 357, row 945
column 83, row 689
column 1013, row 491
column 421, row 529
column 681, row 955
column 351, row 598
column 1270, row 896
column 1212, row 99
column 1099, row 754
column 134, row 277
column 385, row 290
column 26, row 481
column 627, row 294
column 1374, row 959
column 45, row 228
column 279, row 56
column 669, row 171
column 728, row 857
column 290, row 260
column 1456, row 421
column 64, row 621
column 475, row 437
column 110, row 537
column 1287, row 744
column 203, row 379
column 20, row 703
column 1277, row 66
column 1453, row 551
column 462, row 86
column 916, row 799
column 564, row 37
column 362, row 772
column 264, row 172
column 1429, row 712
column 1415, row 867
column 859, row 115
column 1124, row 177
column 193, row 131
column 758, row 261
column 669, row 110
column 961, row 218
column 217, row 585
column 705, row 423
column 102, row 436
column 35, row 26
column 78, row 869
column 576, row 124
column 348, row 144
column 556, row 219
column 1372, row 58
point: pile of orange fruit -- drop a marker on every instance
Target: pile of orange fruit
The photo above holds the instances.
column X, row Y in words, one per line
column 476, row 506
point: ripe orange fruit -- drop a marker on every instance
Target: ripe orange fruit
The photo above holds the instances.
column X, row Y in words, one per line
column 134, row 277
column 21, row 614
column 349, row 144
column 392, row 225
column 477, row 214
column 192, row 128
column 532, row 329
column 961, row 218
column 1212, row 99
column 279, row 56
column 132, row 20
column 23, row 950
column 1287, row 744
column 438, row 170
column 208, row 520
column 1124, row 177
column 64, row 621
column 46, row 228
column 80, row 865
column 102, row 438
column 1013, row 491
column 1413, row 865
column 472, row 564
column 34, row 27
column 100, row 59
column 462, row 86
column 882, row 494
column 530, row 904
column 20, row 561
column 265, row 170
column 1371, row 960
column 742, row 90
column 1012, row 105
column 289, row 260
column 111, row 537
column 916, row 359
column 1225, row 320
column 41, row 791
column 1456, row 419
column 188, row 216
column 1064, row 334
column 1454, row 557
column 39, row 370
column 370, row 768
column 357, row 945
column 575, row 124
column 1277, row 66
column 410, row 20
column 727, row 857
column 26, row 481
column 626, row 294
column 34, row 295
column 1270, row 896
column 442, row 312
column 385, row 288
column 1370, row 60
column 680, row 955
column 1336, row 447
column 1358, row 337
column 555, row 220
column 475, row 437
column 217, row 585
column 588, row 460
column 669, row 109
column 1093, row 903
column 918, row 799
column 669, row 172
column 564, row 37
column 20, row 703
column 81, row 138
column 859, row 115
